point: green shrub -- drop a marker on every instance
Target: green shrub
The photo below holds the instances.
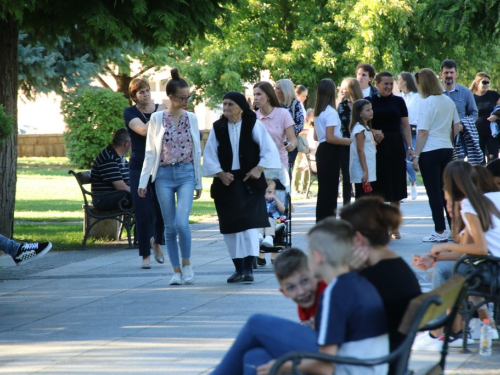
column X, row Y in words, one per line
column 6, row 125
column 92, row 116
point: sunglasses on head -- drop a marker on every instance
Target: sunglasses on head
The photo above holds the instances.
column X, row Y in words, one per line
column 485, row 82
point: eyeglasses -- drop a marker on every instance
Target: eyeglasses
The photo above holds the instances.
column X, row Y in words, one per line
column 485, row 82
column 185, row 99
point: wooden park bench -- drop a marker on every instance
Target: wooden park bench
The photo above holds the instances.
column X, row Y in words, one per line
column 478, row 267
column 124, row 216
column 425, row 312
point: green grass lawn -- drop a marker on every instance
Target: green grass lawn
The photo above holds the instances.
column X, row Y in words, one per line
column 49, row 204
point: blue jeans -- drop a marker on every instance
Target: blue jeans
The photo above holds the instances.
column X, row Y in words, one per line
column 412, row 175
column 8, row 246
column 262, row 338
column 171, row 180
column 443, row 271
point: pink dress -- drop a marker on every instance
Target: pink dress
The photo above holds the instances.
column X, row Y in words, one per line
column 276, row 122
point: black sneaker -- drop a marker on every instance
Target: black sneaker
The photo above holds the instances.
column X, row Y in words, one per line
column 261, row 261
column 30, row 250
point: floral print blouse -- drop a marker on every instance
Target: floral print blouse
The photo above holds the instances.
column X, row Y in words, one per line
column 177, row 143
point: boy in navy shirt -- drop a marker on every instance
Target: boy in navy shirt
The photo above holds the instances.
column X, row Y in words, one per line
column 350, row 320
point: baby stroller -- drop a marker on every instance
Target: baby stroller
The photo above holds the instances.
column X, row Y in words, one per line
column 283, row 234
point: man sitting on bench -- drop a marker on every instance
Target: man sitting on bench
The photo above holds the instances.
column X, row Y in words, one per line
column 110, row 174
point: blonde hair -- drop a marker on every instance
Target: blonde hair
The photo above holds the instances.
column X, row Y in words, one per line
column 353, row 88
column 288, row 91
column 479, row 77
column 428, row 83
column 332, row 231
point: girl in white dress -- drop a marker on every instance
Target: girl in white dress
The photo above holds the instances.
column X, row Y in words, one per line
column 362, row 163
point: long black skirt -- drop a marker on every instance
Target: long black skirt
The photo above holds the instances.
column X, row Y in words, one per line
column 241, row 205
column 391, row 168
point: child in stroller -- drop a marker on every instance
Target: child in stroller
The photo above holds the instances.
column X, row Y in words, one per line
column 276, row 210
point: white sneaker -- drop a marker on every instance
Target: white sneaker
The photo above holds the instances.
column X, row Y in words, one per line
column 413, row 191
column 425, row 342
column 261, row 238
column 188, row 274
column 268, row 242
column 176, row 279
column 436, row 237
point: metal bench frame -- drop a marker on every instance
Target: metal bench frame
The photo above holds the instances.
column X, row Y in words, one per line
column 479, row 265
column 125, row 216
column 425, row 312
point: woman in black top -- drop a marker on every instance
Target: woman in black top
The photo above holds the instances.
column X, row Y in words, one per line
column 350, row 91
column 149, row 225
column 486, row 100
column 372, row 220
column 390, row 116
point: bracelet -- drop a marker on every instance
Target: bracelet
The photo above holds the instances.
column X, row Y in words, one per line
column 416, row 156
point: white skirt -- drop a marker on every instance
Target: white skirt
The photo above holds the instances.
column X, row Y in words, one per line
column 243, row 244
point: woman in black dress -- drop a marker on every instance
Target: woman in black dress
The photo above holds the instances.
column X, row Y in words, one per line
column 372, row 220
column 390, row 117
column 486, row 100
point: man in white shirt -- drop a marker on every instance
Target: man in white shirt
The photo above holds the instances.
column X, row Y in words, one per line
column 365, row 74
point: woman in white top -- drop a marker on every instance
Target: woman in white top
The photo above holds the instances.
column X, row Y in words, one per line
column 479, row 216
column 328, row 155
column 433, row 151
column 173, row 159
column 409, row 92
column 238, row 150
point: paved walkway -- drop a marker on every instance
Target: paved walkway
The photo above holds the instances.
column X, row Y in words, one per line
column 97, row 312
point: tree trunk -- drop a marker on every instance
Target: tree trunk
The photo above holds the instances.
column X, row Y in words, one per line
column 122, row 83
column 8, row 98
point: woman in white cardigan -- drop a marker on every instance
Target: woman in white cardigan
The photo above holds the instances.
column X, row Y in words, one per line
column 173, row 159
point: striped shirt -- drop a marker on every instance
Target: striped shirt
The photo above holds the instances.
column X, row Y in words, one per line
column 108, row 167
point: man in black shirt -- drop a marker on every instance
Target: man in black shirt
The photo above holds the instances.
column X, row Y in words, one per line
column 110, row 174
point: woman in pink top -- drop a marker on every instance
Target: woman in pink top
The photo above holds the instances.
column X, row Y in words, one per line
column 278, row 122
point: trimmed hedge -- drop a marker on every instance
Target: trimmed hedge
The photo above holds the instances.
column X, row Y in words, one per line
column 92, row 116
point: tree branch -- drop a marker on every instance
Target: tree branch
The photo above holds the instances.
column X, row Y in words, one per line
column 103, row 82
column 144, row 69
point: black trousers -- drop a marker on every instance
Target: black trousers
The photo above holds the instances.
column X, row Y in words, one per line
column 346, row 177
column 489, row 145
column 110, row 202
column 328, row 158
column 292, row 155
column 432, row 165
column 148, row 218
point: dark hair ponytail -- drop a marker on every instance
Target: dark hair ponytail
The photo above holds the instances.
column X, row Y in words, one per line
column 373, row 219
column 175, row 83
column 461, row 181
